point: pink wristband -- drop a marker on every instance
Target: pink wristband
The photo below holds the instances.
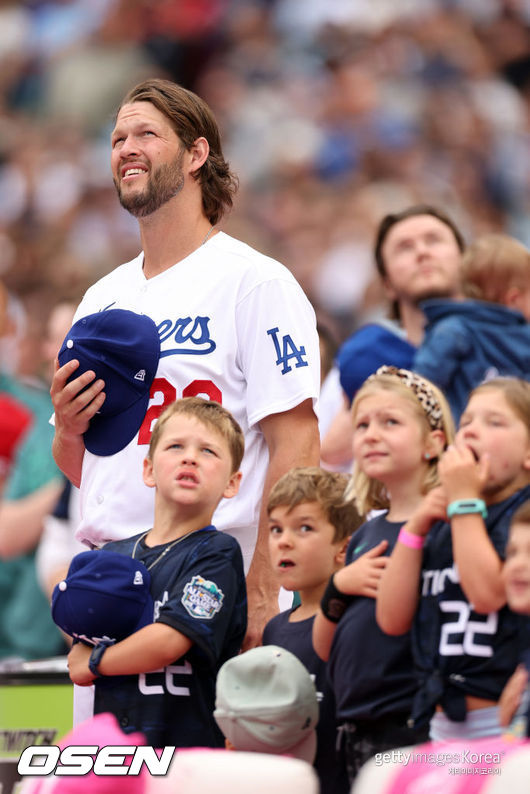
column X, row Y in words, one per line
column 410, row 540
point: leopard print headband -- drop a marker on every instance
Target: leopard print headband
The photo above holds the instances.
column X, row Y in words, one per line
column 421, row 388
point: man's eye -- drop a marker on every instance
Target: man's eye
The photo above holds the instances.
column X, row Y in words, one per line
column 433, row 238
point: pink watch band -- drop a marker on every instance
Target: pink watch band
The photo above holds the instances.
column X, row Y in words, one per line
column 410, row 540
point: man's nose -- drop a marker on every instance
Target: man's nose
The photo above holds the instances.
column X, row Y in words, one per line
column 129, row 146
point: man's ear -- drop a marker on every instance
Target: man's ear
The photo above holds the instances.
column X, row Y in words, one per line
column 388, row 289
column 200, row 149
column 148, row 476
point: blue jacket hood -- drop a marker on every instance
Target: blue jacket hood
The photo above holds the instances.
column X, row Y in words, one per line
column 467, row 342
column 437, row 309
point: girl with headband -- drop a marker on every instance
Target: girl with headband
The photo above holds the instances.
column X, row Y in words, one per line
column 401, row 425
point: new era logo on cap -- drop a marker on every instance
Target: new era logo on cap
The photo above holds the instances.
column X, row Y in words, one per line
column 123, row 349
column 105, row 596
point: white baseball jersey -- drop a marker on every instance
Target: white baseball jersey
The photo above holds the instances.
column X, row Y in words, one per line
column 235, row 327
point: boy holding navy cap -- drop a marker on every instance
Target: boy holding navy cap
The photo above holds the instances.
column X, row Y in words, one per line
column 104, row 598
column 161, row 679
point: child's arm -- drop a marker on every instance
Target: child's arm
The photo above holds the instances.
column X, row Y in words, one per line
column 479, row 565
column 397, row 597
column 150, row 648
column 323, row 633
column 440, row 354
column 359, row 578
column 512, row 695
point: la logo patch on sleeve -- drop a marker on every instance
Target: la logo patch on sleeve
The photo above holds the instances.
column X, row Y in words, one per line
column 201, row 598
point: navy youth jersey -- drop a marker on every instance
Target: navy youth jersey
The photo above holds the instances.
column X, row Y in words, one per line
column 458, row 651
column 297, row 638
column 198, row 588
column 371, row 672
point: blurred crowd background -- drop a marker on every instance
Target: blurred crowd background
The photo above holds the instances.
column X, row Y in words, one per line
column 333, row 113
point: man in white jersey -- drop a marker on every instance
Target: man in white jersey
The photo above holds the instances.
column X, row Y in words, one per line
column 234, row 326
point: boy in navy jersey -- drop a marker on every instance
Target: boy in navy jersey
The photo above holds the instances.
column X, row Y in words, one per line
column 310, row 525
column 161, row 679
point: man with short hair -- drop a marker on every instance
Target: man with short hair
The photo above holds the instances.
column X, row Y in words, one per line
column 418, row 256
column 234, row 326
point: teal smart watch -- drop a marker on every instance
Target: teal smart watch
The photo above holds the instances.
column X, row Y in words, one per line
column 462, row 507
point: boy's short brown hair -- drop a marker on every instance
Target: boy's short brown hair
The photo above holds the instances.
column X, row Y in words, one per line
column 492, row 264
column 313, row 484
column 211, row 414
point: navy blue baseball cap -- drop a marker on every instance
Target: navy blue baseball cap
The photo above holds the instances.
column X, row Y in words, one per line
column 123, row 349
column 368, row 349
column 105, row 597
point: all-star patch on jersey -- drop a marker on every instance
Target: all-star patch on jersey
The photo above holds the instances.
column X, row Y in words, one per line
column 202, row 598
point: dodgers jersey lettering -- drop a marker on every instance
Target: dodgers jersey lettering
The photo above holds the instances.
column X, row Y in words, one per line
column 235, row 327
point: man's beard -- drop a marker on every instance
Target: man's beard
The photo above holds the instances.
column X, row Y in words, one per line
column 164, row 183
column 442, row 291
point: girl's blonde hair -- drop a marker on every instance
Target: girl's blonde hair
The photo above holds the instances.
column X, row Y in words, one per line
column 368, row 493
